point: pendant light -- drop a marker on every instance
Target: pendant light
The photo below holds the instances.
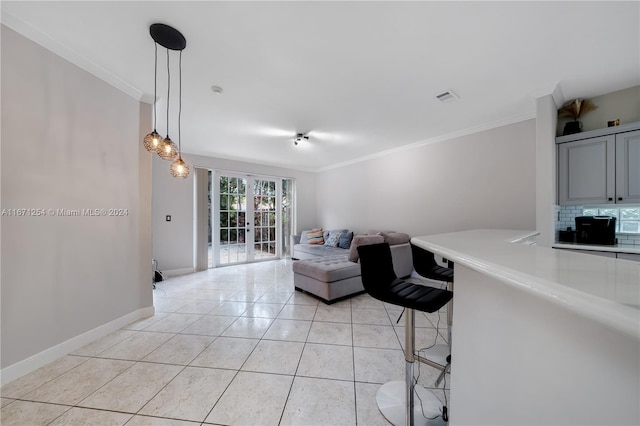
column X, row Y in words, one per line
column 167, row 149
column 153, row 139
column 171, row 39
column 179, row 168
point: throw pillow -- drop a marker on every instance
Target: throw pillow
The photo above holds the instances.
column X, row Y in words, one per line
column 394, row 238
column 333, row 239
column 362, row 240
column 315, row 236
column 345, row 239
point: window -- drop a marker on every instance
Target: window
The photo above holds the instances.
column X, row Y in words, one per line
column 628, row 218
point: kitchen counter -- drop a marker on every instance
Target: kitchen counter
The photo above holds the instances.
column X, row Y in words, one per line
column 600, row 288
column 616, row 248
column 540, row 336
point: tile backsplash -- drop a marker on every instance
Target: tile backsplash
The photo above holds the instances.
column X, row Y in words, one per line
column 566, row 218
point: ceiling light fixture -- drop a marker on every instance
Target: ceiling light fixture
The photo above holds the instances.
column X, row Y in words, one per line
column 300, row 137
column 171, row 39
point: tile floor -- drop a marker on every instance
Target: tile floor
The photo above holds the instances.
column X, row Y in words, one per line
column 230, row 346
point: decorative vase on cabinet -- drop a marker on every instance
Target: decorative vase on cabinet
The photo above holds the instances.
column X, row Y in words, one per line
column 572, row 127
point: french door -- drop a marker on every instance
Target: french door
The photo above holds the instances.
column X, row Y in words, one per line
column 246, row 218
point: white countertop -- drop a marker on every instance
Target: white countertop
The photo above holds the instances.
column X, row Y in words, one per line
column 616, row 248
column 600, row 288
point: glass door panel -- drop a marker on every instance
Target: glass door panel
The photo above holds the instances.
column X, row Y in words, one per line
column 265, row 241
column 232, row 247
column 248, row 222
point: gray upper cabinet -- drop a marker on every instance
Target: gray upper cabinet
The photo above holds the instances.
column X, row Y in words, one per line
column 628, row 167
column 600, row 167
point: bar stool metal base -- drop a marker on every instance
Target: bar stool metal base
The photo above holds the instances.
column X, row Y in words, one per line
column 391, row 402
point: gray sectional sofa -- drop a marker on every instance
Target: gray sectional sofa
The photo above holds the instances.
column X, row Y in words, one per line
column 333, row 273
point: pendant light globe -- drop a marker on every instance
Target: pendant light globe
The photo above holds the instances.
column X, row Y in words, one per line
column 167, row 149
column 179, row 169
column 152, row 141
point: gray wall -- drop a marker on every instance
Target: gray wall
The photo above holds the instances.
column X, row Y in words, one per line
column 173, row 242
column 69, row 141
column 483, row 180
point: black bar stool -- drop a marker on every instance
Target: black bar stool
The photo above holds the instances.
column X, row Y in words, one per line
column 381, row 282
column 425, row 265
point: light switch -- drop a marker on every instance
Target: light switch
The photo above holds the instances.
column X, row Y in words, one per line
column 168, row 218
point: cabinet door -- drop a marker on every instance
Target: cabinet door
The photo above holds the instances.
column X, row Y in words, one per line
column 628, row 167
column 587, row 171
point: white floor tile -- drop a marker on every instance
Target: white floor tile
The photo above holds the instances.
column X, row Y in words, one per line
column 226, row 352
column 333, row 314
column 336, row 406
column 252, row 399
column 375, row 336
column 273, row 356
column 190, row 395
column 210, row 325
column 291, row 330
column 298, row 312
column 131, row 390
column 263, row 310
column 136, row 347
column 85, row 416
column 174, row 323
column 367, row 408
column 80, row 382
column 180, row 349
column 252, row 328
column 378, row 365
column 22, row 413
column 327, row 362
column 29, row 382
column 330, row 332
column 139, row 420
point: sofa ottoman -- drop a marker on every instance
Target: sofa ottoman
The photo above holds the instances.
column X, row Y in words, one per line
column 330, row 278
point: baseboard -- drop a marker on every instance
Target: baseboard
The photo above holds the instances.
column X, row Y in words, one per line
column 36, row 361
column 176, row 272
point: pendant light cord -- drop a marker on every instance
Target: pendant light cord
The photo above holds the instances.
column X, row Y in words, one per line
column 168, row 91
column 155, row 89
column 179, row 102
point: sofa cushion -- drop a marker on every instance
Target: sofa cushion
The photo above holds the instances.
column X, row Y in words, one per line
column 379, row 231
column 345, row 239
column 315, row 236
column 333, row 238
column 394, row 238
column 317, row 250
column 327, row 269
column 362, row 240
column 304, row 235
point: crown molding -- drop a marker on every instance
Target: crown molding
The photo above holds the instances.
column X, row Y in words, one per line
column 437, row 139
column 45, row 40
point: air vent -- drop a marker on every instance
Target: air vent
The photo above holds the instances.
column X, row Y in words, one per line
column 447, row 96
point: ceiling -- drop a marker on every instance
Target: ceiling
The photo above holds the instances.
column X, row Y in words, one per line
column 361, row 77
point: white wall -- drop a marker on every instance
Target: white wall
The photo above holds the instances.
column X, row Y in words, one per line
column 69, row 141
column 173, row 242
column 546, row 165
column 484, row 180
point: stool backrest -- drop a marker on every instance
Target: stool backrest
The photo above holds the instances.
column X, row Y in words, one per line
column 376, row 266
column 423, row 260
